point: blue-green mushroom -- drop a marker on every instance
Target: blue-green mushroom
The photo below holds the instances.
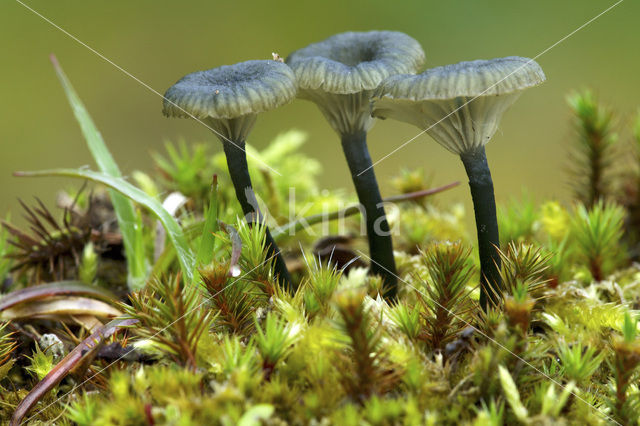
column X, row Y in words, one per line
column 460, row 106
column 228, row 99
column 339, row 75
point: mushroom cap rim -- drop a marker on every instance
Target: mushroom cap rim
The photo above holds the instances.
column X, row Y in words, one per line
column 391, row 88
column 231, row 91
column 376, row 55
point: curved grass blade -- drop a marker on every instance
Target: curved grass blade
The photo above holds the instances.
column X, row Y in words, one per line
column 137, row 264
column 60, row 371
column 174, row 232
column 59, row 306
column 298, row 225
column 61, row 288
column 208, row 239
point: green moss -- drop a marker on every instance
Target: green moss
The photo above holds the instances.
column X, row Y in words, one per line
column 561, row 345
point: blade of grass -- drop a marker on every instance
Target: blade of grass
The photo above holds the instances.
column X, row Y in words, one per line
column 55, row 289
column 208, row 239
column 64, row 306
column 174, row 232
column 298, row 225
column 137, row 264
column 63, row 368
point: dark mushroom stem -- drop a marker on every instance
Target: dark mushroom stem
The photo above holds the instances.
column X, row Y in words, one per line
column 484, row 205
column 239, row 172
column 380, row 245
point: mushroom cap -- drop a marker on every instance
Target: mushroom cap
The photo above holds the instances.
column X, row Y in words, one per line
column 355, row 61
column 459, row 105
column 465, row 79
column 231, row 91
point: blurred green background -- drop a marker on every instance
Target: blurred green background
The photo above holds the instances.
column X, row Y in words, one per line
column 160, row 41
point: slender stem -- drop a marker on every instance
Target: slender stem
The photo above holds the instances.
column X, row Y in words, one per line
column 239, row 172
column 380, row 245
column 484, row 205
column 300, row 224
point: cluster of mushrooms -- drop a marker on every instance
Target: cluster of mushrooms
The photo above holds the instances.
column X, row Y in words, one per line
column 353, row 78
